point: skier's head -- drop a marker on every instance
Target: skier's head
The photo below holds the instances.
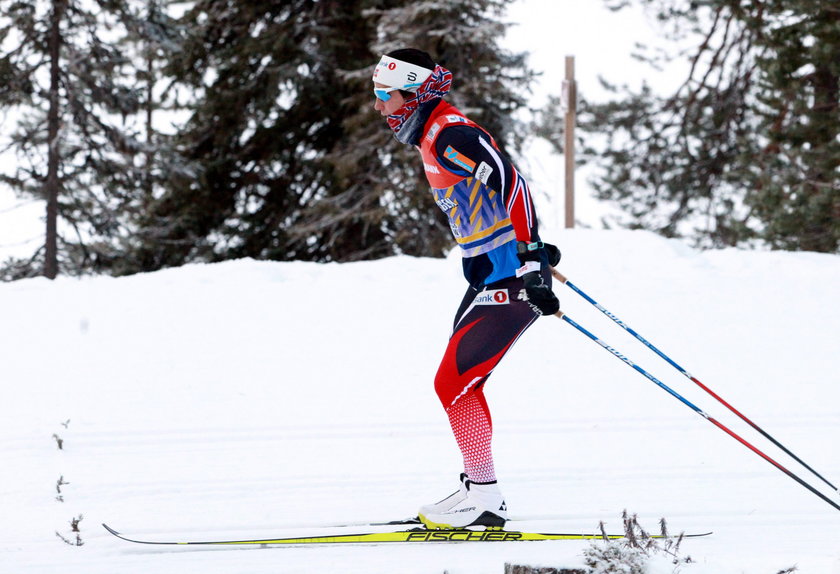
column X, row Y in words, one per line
column 404, row 79
column 405, row 70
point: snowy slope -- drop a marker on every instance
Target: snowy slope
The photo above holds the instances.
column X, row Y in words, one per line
column 248, row 397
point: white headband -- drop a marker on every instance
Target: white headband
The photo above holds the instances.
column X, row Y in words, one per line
column 398, row 74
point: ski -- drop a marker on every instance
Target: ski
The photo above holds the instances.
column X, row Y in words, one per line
column 410, row 536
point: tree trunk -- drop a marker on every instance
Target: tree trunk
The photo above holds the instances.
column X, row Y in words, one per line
column 53, row 183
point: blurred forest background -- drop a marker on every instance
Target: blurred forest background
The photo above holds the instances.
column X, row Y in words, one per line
column 162, row 132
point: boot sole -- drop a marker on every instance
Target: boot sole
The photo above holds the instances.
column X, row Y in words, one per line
column 487, row 519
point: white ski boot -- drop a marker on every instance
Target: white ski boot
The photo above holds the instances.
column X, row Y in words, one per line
column 448, row 502
column 474, row 505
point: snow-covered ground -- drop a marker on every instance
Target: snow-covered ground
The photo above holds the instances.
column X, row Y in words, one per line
column 246, row 398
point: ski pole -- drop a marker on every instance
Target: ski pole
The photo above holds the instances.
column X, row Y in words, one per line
column 695, row 408
column 560, row 277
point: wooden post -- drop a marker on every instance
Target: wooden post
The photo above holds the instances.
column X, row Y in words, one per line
column 570, row 105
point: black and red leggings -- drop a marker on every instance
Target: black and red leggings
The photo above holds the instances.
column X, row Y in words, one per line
column 486, row 326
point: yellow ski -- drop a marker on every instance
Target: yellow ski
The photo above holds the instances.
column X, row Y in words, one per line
column 412, row 536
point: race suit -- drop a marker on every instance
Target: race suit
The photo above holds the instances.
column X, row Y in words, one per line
column 489, row 207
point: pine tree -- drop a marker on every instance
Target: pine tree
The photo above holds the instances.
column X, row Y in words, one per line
column 72, row 142
column 796, row 173
column 153, row 39
column 266, row 106
column 292, row 162
column 747, row 148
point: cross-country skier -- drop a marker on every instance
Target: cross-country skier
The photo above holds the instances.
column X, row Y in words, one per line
column 492, row 217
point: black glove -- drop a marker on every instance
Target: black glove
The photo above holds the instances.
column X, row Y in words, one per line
column 553, row 254
column 538, row 295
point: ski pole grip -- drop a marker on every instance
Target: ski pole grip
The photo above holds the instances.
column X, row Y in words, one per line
column 557, row 275
column 562, row 279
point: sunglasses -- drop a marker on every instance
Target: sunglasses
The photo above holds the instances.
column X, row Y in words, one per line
column 383, row 94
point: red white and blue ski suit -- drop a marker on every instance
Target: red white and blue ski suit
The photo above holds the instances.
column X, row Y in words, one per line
column 489, row 207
